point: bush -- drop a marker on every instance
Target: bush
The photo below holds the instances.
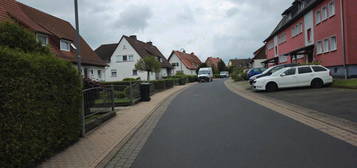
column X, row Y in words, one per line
column 40, row 106
column 238, row 74
column 131, row 79
column 170, row 83
column 159, row 85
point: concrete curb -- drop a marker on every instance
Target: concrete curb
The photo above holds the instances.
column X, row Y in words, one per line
column 127, row 137
column 339, row 128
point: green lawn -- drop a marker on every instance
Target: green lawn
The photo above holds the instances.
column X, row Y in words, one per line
column 349, row 83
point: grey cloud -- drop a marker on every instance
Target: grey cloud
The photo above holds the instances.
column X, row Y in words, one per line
column 134, row 18
column 232, row 11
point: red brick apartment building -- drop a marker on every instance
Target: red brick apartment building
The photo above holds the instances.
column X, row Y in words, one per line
column 323, row 31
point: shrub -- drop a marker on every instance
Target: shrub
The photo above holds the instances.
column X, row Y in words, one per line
column 131, row 79
column 169, row 83
column 15, row 37
column 159, row 85
column 40, row 106
column 238, row 74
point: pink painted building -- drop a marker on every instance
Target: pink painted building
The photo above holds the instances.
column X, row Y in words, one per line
column 323, row 31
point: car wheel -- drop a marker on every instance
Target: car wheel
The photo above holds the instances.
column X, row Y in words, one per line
column 317, row 83
column 271, row 87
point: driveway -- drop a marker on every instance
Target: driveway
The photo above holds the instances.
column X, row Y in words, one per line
column 334, row 101
column 208, row 126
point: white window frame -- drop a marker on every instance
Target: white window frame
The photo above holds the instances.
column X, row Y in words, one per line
column 67, row 43
column 326, row 47
column 130, row 58
column 282, row 38
column 333, row 48
column 115, row 72
column 126, row 58
column 318, row 17
column 331, row 9
column 136, row 72
column 39, row 35
column 99, row 73
column 324, row 13
column 319, row 49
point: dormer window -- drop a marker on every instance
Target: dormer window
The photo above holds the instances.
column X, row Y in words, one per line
column 65, row 45
column 42, row 38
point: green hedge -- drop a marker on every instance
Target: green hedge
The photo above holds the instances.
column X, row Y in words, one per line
column 40, row 107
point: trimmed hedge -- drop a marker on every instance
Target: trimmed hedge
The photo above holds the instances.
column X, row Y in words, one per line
column 40, row 107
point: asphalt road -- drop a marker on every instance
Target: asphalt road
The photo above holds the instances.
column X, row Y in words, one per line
column 207, row 126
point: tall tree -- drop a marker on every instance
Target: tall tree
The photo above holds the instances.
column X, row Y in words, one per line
column 148, row 64
column 222, row 66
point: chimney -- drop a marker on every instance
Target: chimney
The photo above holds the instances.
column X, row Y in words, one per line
column 149, row 42
column 133, row 36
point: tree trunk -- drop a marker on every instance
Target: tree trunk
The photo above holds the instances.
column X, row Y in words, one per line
column 148, row 77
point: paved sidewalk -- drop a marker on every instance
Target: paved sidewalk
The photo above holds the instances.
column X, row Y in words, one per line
column 337, row 127
column 93, row 149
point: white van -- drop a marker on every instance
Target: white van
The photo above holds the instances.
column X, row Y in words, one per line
column 205, row 74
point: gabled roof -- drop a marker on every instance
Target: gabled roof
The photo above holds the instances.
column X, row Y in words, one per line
column 106, row 51
column 42, row 22
column 191, row 61
column 295, row 14
column 10, row 10
column 143, row 49
column 147, row 49
column 260, row 53
column 240, row 62
column 212, row 61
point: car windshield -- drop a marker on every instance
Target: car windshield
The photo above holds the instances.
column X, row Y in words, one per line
column 203, row 72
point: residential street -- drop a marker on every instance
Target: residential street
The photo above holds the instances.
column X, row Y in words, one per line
column 209, row 126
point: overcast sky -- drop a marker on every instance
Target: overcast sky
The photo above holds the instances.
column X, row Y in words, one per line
column 220, row 28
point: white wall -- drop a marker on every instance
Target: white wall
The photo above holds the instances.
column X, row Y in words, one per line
column 92, row 72
column 258, row 63
column 309, row 24
column 125, row 69
column 181, row 67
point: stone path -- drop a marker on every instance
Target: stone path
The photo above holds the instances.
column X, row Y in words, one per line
column 97, row 148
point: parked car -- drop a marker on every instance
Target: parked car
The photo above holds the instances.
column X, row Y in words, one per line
column 205, row 74
column 255, row 71
column 270, row 71
column 224, row 74
column 315, row 76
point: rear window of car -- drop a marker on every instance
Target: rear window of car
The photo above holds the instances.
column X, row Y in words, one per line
column 319, row 69
column 303, row 70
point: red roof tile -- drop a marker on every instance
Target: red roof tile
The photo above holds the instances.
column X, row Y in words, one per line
column 13, row 11
column 147, row 49
column 191, row 61
column 213, row 62
column 55, row 27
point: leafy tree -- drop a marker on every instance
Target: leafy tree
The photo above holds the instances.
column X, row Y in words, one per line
column 222, row 66
column 15, row 37
column 148, row 64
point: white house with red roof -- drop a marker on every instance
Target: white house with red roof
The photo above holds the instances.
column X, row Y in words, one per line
column 122, row 57
column 184, row 62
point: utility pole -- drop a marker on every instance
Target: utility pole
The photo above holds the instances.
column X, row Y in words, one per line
column 79, row 62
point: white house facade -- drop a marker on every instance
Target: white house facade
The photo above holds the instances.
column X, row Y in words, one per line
column 183, row 62
column 122, row 57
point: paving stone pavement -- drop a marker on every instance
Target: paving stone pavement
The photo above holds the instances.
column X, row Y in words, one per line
column 126, row 156
column 94, row 149
column 339, row 128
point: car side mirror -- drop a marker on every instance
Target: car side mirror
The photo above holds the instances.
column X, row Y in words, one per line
column 283, row 74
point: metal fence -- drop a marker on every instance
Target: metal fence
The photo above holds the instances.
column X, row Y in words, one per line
column 97, row 100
